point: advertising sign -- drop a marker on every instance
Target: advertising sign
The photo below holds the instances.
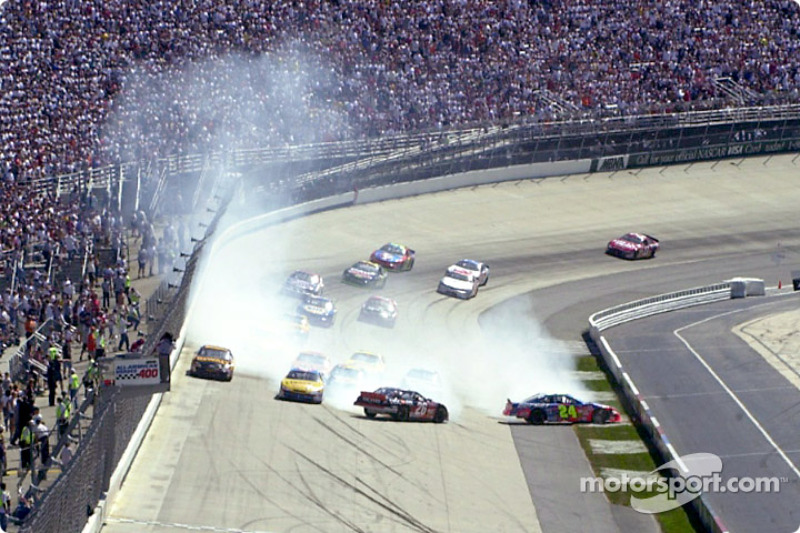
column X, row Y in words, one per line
column 144, row 371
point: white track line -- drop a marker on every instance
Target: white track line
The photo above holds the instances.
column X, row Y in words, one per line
column 730, row 392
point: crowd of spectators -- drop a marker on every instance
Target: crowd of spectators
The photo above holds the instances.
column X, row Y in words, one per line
column 102, row 81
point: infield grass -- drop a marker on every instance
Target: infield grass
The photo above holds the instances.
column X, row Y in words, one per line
column 675, row 521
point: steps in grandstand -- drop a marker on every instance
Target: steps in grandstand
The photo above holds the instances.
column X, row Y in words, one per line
column 735, row 90
column 561, row 107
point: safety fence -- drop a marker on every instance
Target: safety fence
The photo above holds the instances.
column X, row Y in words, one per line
column 114, row 418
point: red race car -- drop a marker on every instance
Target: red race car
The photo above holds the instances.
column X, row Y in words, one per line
column 543, row 408
column 394, row 257
column 401, row 405
column 633, row 246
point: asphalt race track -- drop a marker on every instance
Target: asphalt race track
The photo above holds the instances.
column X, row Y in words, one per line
column 696, row 406
column 228, row 457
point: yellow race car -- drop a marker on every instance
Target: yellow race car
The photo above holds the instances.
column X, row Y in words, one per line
column 372, row 363
column 296, row 324
column 302, row 386
column 213, row 362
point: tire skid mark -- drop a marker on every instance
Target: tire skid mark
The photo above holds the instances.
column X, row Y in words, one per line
column 357, row 446
column 374, row 458
column 338, row 416
column 300, row 518
column 376, row 497
column 313, row 498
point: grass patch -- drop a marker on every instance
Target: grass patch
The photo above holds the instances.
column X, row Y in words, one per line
column 598, row 385
column 586, row 363
column 675, row 521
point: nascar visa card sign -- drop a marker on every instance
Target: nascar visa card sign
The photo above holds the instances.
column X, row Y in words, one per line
column 143, row 371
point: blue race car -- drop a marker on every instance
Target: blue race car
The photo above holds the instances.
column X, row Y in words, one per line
column 319, row 310
column 394, row 257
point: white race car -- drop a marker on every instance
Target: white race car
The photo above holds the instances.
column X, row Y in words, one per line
column 476, row 268
column 459, row 283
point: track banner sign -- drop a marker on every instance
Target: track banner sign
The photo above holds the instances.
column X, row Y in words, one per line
column 144, row 371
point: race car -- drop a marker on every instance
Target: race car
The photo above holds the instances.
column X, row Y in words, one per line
column 476, row 268
column 543, row 408
column 319, row 310
column 394, row 257
column 346, row 378
column 302, row 283
column 427, row 382
column 401, row 405
column 313, row 361
column 212, row 362
column 295, row 324
column 459, row 283
column 379, row 310
column 633, row 246
column 302, row 386
column 371, row 362
column 365, row 274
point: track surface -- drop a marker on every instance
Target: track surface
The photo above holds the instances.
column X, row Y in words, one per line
column 696, row 407
column 229, row 457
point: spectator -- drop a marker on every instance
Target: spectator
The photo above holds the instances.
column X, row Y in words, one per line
column 66, row 454
column 23, row 509
column 42, row 434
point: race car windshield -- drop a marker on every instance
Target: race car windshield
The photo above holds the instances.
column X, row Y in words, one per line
column 367, row 267
column 379, row 305
column 469, row 265
column 459, row 276
column 302, row 375
column 365, row 357
column 346, row 373
column 393, row 249
column 632, row 238
column 534, row 399
column 301, row 276
column 311, row 358
column 319, row 302
column 216, row 354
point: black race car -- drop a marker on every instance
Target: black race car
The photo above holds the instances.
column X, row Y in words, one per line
column 365, row 274
column 379, row 310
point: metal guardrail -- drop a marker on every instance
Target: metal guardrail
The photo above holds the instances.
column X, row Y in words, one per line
column 662, row 303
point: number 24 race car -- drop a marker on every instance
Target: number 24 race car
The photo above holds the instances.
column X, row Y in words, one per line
column 543, row 408
column 401, row 405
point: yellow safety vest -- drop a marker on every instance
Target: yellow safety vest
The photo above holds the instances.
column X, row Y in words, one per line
column 74, row 382
column 63, row 411
column 26, row 437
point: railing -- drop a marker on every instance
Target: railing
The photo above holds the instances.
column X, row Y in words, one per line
column 659, row 304
column 20, row 362
column 370, row 151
